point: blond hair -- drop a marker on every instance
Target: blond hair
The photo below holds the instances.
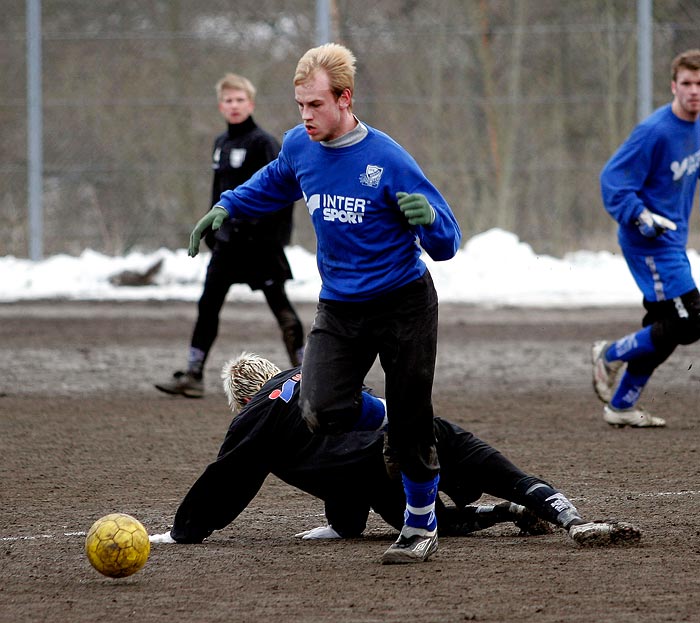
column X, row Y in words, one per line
column 336, row 60
column 244, row 376
column 234, row 81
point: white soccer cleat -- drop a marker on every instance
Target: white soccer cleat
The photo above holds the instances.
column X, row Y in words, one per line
column 603, row 533
column 636, row 417
column 605, row 374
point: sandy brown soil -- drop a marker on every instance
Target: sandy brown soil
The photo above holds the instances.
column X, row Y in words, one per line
column 83, row 433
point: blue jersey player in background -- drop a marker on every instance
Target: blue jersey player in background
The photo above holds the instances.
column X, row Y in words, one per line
column 374, row 212
column 648, row 187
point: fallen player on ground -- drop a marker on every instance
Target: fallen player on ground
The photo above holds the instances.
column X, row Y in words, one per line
column 352, row 475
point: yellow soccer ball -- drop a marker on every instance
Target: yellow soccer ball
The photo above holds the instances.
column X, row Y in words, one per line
column 117, row 545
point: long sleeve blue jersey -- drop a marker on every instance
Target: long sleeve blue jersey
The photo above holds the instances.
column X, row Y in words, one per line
column 656, row 168
column 365, row 246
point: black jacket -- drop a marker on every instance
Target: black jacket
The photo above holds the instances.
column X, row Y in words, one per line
column 346, row 471
column 247, row 251
column 237, row 155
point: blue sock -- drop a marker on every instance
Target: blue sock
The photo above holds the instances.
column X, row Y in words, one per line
column 628, row 391
column 373, row 413
column 631, row 346
column 420, row 503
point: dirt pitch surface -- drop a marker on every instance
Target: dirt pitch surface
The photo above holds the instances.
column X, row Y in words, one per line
column 84, row 433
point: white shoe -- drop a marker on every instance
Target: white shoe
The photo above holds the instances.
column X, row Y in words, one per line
column 605, row 374
column 413, row 545
column 602, row 533
column 635, row 417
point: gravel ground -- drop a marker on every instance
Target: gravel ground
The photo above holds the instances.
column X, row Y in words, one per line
column 84, row 434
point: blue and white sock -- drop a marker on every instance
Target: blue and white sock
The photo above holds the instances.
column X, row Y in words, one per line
column 628, row 391
column 420, row 503
column 631, row 346
column 373, row 413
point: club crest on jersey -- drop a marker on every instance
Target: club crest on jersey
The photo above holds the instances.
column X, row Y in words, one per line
column 371, row 176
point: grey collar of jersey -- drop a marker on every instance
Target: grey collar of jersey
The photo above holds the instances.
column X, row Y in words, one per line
column 351, row 138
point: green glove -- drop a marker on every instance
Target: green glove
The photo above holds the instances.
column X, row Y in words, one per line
column 416, row 208
column 214, row 218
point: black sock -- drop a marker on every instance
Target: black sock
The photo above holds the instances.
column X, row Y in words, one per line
column 546, row 502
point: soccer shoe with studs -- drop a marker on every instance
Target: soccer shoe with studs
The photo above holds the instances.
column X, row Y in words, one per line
column 183, row 383
column 605, row 374
column 604, row 533
column 636, row 417
column 413, row 545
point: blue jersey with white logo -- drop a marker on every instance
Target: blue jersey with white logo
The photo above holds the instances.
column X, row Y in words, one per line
column 365, row 246
column 656, row 168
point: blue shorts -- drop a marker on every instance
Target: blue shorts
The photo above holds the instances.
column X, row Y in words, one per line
column 661, row 276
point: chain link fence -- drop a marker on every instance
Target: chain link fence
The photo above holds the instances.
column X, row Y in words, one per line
column 510, row 106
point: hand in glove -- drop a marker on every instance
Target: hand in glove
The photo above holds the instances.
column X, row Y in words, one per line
column 652, row 225
column 416, row 209
column 214, row 218
column 322, row 532
column 161, row 538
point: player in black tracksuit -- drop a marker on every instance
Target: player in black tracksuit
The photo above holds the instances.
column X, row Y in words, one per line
column 247, row 251
column 347, row 471
column 250, row 251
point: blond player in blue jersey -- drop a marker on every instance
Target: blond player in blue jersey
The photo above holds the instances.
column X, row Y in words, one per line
column 374, row 212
